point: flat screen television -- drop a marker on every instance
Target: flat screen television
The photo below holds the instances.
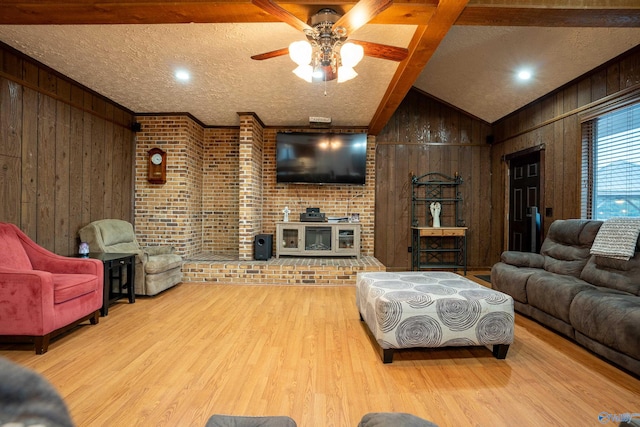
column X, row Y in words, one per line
column 321, row 158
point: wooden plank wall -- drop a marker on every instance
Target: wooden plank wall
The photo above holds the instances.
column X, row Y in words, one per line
column 425, row 135
column 66, row 154
column 554, row 121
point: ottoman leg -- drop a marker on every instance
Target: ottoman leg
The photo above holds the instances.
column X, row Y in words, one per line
column 387, row 355
column 500, row 351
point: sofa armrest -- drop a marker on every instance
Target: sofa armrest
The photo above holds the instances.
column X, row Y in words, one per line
column 159, row 250
column 67, row 265
column 522, row 259
column 45, row 260
column 29, row 294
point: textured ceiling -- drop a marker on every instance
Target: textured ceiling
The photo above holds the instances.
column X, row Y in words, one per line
column 472, row 68
column 134, row 65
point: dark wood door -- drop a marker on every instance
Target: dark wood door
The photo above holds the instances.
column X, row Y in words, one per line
column 524, row 188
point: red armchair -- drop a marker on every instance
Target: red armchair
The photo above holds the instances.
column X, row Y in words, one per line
column 43, row 294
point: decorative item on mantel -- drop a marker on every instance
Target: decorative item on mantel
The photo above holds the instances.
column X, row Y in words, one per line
column 286, row 213
column 83, row 250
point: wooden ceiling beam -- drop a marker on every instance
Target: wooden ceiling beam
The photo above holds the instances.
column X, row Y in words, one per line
column 551, row 17
column 424, row 43
column 24, row 12
column 590, row 13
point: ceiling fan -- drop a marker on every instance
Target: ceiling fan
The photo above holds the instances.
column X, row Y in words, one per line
column 327, row 55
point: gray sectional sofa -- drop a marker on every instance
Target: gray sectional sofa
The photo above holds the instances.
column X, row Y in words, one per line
column 594, row 300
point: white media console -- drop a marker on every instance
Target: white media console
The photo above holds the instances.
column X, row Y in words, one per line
column 317, row 239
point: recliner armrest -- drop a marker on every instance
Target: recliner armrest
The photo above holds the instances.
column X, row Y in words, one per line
column 522, row 259
column 159, row 250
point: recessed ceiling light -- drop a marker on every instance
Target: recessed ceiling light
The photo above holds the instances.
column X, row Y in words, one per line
column 524, row 74
column 182, row 75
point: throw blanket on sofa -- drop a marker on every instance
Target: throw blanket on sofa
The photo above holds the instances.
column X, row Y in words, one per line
column 617, row 238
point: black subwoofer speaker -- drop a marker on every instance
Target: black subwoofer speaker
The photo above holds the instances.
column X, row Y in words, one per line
column 263, row 247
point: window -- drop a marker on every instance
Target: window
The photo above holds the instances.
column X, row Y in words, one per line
column 611, row 165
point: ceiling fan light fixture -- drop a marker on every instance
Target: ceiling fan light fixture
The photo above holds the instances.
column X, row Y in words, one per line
column 300, row 52
column 327, row 32
column 318, row 75
column 346, row 73
column 305, row 72
column 351, row 54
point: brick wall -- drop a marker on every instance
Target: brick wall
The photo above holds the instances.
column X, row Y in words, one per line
column 333, row 200
column 221, row 188
column 220, row 197
column 171, row 213
column 250, row 191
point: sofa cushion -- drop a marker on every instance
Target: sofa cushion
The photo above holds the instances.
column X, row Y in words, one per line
column 14, row 256
column 395, row 419
column 613, row 273
column 567, row 245
column 614, row 263
column 246, row 421
column 511, row 280
column 69, row 286
column 553, row 293
column 609, row 317
column 522, row 259
column 115, row 231
column 29, row 399
column 125, row 248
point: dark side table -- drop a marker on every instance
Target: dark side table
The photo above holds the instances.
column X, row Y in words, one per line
column 114, row 265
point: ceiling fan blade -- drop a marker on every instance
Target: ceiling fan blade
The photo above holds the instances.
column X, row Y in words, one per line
column 363, row 12
column 282, row 14
column 382, row 51
column 272, row 54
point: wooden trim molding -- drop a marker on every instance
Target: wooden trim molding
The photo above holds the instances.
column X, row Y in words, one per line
column 621, row 99
column 524, row 152
column 608, row 103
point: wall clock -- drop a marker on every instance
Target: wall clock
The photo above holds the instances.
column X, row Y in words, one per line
column 157, row 166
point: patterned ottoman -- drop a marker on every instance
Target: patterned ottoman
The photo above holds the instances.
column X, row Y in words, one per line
column 433, row 309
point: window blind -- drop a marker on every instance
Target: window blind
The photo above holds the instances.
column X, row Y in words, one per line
column 586, row 184
column 611, row 165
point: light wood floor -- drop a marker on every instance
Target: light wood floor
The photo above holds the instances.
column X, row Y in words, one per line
column 200, row 349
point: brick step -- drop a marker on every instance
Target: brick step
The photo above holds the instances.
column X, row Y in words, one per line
column 282, row 271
